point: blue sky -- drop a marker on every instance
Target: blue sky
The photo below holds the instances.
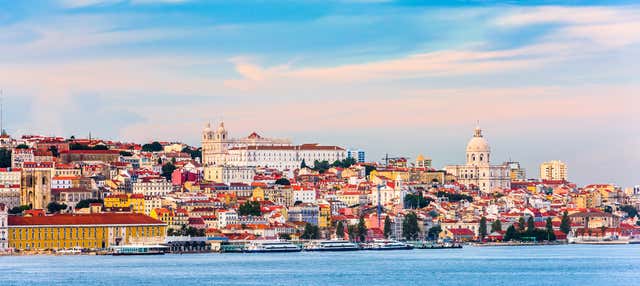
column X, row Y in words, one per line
column 546, row 79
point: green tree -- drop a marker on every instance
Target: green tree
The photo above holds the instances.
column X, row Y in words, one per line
column 482, row 228
column 549, row 229
column 630, row 210
column 531, row 226
column 321, row 166
column 362, row 229
column 19, row 209
column 167, row 170
column 521, row 224
column 5, row 158
column 510, row 234
column 340, row 230
column 54, row 207
column 283, row 182
column 496, row 226
column 416, row 201
column 126, row 153
column 303, row 164
column 285, row 236
column 565, row 223
column 22, row 146
column 434, row 232
column 152, row 147
column 250, row 208
column 352, row 230
column 387, row 227
column 310, row 232
column 85, row 203
column 410, row 227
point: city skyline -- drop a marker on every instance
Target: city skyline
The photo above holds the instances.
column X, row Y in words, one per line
column 545, row 82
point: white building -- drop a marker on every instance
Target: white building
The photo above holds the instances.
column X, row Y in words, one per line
column 229, row 174
column 10, row 179
column 256, row 151
column 478, row 171
column 21, row 155
column 151, row 203
column 227, row 217
column 304, row 195
column 152, row 186
column 4, row 228
column 553, row 170
column 63, row 182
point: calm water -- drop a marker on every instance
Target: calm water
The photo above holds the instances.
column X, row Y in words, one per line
column 548, row 265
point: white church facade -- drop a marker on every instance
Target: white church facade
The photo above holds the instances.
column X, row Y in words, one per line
column 478, row 170
column 256, row 151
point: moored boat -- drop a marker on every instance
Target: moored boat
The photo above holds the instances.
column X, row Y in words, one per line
column 387, row 245
column 126, row 250
column 259, row 246
column 331, row 245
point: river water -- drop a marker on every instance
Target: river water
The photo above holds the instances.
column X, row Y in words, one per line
column 517, row 266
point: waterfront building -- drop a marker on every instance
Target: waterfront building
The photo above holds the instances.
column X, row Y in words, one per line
column 304, row 213
column 478, row 170
column 4, row 227
column 86, row 231
column 553, row 170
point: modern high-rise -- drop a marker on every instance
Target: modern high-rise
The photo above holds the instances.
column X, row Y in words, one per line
column 553, row 170
column 358, row 155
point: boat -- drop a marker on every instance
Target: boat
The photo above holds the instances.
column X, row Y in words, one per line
column 331, row 245
column 126, row 250
column 260, row 246
column 387, row 245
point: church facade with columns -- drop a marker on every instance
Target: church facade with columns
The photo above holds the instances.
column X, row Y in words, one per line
column 478, row 170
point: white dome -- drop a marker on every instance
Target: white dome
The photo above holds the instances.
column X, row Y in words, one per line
column 478, row 143
column 221, row 127
column 207, row 128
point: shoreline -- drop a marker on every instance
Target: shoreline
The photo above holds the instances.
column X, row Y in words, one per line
column 49, row 253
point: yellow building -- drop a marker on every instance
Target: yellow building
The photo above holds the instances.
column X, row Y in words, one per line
column 393, row 174
column 86, row 231
column 258, row 194
column 324, row 219
column 133, row 201
column 163, row 214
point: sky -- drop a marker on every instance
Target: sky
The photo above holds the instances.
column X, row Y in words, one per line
column 546, row 80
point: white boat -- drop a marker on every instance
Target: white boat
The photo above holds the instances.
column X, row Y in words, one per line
column 271, row 246
column 126, row 250
column 331, row 245
column 387, row 245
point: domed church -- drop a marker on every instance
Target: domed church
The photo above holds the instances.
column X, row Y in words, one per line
column 478, row 171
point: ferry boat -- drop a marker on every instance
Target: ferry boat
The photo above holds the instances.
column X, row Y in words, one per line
column 331, row 245
column 387, row 245
column 138, row 250
column 259, row 246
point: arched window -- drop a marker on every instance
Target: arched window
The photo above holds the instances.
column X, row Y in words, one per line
column 481, row 157
column 473, row 158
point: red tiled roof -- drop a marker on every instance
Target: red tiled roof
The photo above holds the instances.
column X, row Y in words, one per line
column 84, row 219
